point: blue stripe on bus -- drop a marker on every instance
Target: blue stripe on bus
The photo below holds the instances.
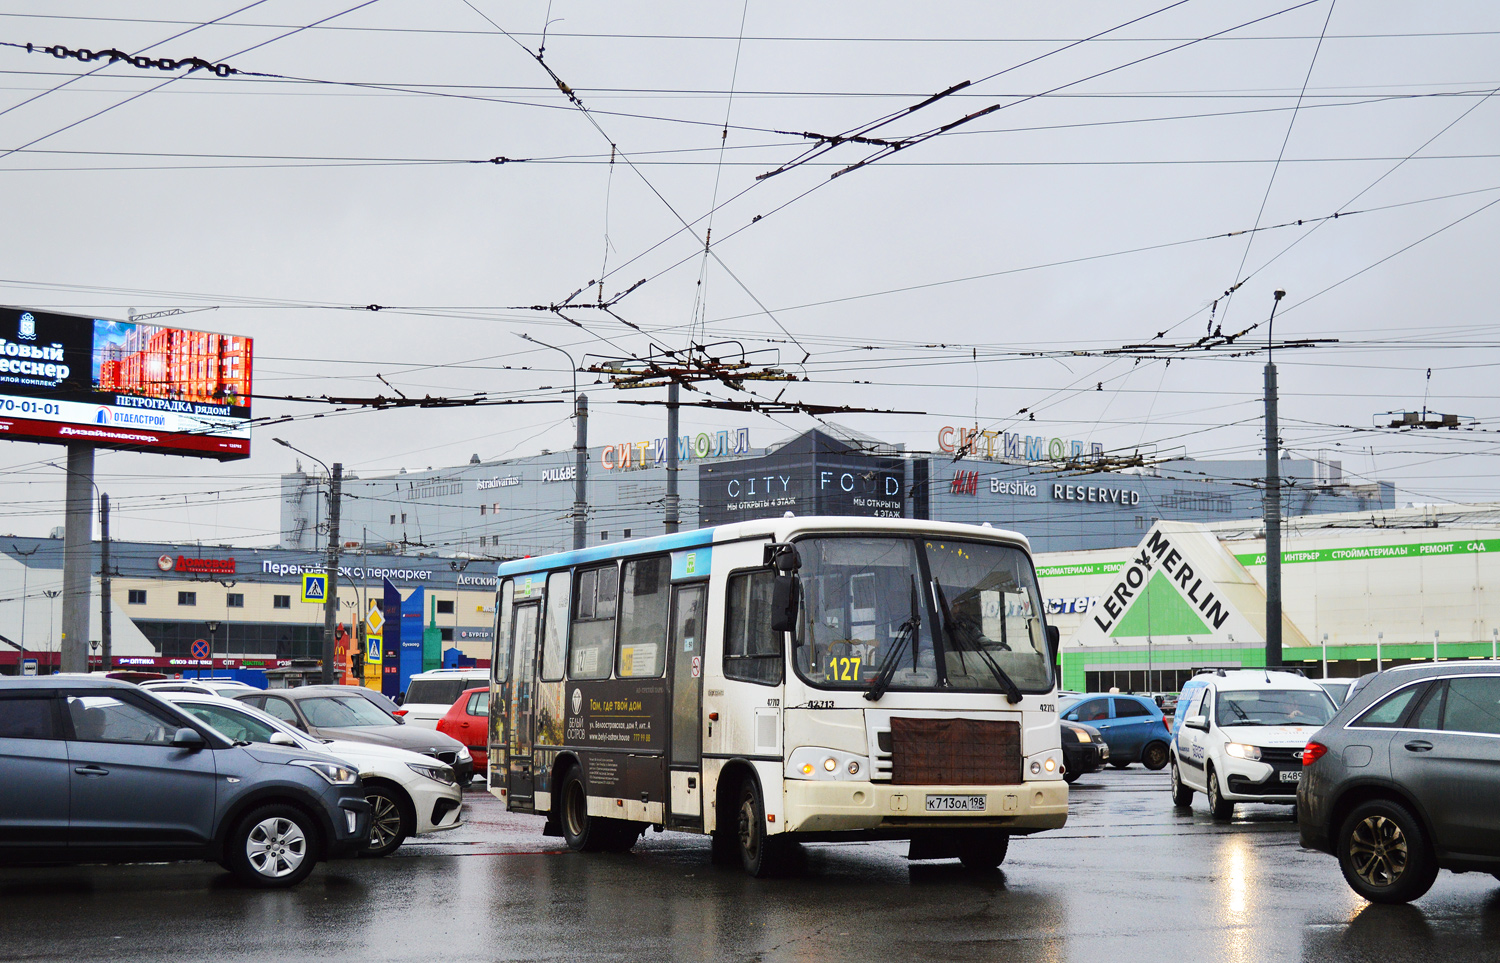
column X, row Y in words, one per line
column 639, row 546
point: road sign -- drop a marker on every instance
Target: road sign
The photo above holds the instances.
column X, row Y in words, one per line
column 315, row 587
column 372, row 649
column 375, row 620
column 28, row 666
column 200, row 649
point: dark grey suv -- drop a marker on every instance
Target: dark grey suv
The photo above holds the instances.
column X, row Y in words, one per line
column 1404, row 780
column 94, row 770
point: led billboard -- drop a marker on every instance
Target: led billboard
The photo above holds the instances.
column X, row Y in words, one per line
column 121, row 384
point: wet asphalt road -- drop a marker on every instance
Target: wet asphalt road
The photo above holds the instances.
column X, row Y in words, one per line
column 1129, row 879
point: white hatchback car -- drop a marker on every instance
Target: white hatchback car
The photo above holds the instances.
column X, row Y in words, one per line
column 1242, row 736
column 410, row 794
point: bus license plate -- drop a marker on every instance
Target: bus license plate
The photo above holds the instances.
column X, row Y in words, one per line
column 1292, row 775
column 955, row 804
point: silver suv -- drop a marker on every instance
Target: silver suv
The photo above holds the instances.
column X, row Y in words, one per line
column 93, row 770
column 1403, row 781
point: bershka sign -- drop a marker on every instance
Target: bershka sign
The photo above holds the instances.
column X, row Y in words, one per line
column 204, row 566
column 1158, row 559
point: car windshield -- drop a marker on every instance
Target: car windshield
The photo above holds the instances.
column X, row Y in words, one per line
column 1273, row 707
column 238, row 724
column 340, row 712
column 929, row 613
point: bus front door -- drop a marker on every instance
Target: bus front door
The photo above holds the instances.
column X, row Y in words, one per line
column 685, row 759
column 522, row 705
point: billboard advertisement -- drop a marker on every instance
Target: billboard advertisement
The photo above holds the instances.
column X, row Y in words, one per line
column 68, row 379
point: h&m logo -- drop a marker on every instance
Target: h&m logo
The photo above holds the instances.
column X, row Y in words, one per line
column 965, row 483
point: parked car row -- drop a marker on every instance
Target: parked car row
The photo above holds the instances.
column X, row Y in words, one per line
column 106, row 770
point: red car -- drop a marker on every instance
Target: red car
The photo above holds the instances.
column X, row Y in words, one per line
column 468, row 721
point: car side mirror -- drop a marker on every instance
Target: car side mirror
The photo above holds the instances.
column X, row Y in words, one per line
column 281, row 739
column 1196, row 722
column 189, row 739
column 1054, row 642
column 784, row 588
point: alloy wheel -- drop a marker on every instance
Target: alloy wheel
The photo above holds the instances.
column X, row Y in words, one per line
column 385, row 821
column 276, row 847
column 1378, row 851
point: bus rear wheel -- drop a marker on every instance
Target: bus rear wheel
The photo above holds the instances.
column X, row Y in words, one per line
column 591, row 834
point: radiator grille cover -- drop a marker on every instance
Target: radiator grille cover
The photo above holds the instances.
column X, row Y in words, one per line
column 955, row 752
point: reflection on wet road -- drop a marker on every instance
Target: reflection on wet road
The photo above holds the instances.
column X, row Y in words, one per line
column 1128, row 879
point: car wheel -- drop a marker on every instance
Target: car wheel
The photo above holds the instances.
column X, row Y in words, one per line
column 389, row 822
column 273, row 846
column 582, row 832
column 1154, row 756
column 1182, row 796
column 1120, row 763
column 985, row 851
column 760, row 855
column 1384, row 853
column 1221, row 808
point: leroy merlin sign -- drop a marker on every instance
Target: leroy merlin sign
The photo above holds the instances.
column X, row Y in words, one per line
column 1159, row 593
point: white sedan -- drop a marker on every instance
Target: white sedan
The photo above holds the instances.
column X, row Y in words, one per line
column 410, row 794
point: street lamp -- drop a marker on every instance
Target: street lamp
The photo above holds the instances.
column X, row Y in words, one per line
column 51, row 615
column 580, row 451
column 212, row 628
column 331, row 589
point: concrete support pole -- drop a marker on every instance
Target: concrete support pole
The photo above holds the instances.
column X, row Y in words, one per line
column 1273, row 526
column 672, row 517
column 106, row 634
column 331, row 600
column 78, row 538
column 581, row 473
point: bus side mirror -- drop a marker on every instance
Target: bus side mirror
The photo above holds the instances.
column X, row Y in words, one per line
column 1054, row 642
column 784, row 590
column 784, row 604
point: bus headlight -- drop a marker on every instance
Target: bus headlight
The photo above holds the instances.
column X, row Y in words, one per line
column 814, row 762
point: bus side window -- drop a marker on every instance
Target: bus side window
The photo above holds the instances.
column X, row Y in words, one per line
column 592, row 647
column 643, row 618
column 500, row 656
column 752, row 651
column 555, row 631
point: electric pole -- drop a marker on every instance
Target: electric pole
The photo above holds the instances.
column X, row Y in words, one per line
column 331, row 599
column 1272, row 503
column 105, row 599
column 78, row 524
column 671, row 518
column 580, row 470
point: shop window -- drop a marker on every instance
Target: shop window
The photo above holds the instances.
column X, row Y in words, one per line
column 445, row 607
column 281, row 601
column 403, row 518
column 593, row 643
column 187, row 598
column 484, row 509
column 235, row 600
column 625, row 534
column 447, row 636
column 137, row 597
column 643, row 621
column 604, row 536
column 393, row 519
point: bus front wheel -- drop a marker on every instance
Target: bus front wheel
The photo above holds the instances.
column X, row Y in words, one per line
column 760, row 854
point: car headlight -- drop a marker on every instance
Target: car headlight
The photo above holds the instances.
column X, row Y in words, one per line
column 1082, row 736
column 463, row 754
column 1241, row 751
column 812, row 762
column 336, row 774
column 439, row 773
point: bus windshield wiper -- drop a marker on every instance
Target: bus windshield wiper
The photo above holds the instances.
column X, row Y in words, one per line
column 1012, row 691
column 907, row 635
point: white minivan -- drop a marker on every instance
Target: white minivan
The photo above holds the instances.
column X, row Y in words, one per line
column 1242, row 734
column 429, row 695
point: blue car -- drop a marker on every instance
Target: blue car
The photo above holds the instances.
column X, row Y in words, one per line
column 1133, row 726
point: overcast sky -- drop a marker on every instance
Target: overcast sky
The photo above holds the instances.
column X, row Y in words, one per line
column 1086, row 213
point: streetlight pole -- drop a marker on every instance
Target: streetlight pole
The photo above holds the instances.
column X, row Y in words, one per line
column 1272, row 503
column 331, row 594
column 580, row 451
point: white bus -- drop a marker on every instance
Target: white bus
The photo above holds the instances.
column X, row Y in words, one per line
column 818, row 679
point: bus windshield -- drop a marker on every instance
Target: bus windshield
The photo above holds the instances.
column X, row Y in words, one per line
column 919, row 614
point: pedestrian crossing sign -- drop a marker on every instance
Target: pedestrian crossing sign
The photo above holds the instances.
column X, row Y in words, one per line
column 315, row 587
